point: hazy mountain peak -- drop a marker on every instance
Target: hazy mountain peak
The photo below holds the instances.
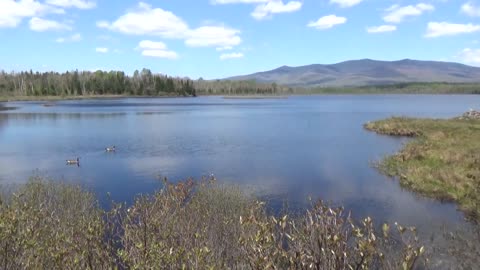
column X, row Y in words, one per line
column 367, row 72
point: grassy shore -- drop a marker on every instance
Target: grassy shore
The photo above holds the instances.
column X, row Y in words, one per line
column 442, row 161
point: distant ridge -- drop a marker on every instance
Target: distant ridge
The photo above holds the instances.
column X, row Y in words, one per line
column 366, row 72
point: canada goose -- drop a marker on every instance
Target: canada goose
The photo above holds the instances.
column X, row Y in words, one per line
column 73, row 161
column 110, row 149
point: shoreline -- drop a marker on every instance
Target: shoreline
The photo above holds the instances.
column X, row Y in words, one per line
column 7, row 99
column 441, row 161
column 4, row 99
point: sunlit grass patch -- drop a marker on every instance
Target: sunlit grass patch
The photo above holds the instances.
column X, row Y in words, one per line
column 442, row 161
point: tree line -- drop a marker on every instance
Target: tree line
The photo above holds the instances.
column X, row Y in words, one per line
column 401, row 88
column 146, row 83
column 80, row 83
column 227, row 87
column 141, row 83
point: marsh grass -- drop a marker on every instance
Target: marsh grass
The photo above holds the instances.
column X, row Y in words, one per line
column 189, row 225
column 442, row 161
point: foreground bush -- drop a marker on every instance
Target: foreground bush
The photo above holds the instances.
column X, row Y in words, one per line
column 189, row 225
column 46, row 225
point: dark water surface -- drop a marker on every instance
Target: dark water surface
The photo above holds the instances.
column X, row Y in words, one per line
column 283, row 149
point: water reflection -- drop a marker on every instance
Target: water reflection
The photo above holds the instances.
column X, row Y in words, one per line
column 3, row 122
column 151, row 113
column 6, row 108
column 58, row 116
column 3, row 117
column 283, row 150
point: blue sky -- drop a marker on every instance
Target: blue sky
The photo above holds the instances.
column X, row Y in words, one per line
column 220, row 38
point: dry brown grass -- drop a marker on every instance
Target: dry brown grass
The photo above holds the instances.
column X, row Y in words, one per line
column 189, row 225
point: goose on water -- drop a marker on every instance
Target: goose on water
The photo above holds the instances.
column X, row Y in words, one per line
column 110, row 149
column 73, row 161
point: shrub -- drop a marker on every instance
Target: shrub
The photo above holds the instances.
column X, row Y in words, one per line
column 51, row 226
column 189, row 225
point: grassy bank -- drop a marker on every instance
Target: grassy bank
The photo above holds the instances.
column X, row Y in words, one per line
column 189, row 225
column 442, row 161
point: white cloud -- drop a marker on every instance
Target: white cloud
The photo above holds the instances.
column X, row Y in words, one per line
column 381, row 29
column 42, row 25
column 104, row 37
column 327, row 22
column 76, row 37
column 73, row 38
column 471, row 9
column 238, row 1
column 101, row 50
column 269, row 8
column 438, row 29
column 396, row 13
column 160, row 54
column 346, row 3
column 470, row 56
column 156, row 49
column 266, row 8
column 213, row 36
column 145, row 20
column 81, row 4
column 225, row 48
column 148, row 44
column 226, row 56
column 13, row 12
column 104, row 24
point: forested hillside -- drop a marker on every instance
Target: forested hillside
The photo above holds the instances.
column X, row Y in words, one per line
column 36, row 85
column 367, row 72
column 142, row 83
column 79, row 83
column 227, row 87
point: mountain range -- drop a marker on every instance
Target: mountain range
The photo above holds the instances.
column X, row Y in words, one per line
column 367, row 72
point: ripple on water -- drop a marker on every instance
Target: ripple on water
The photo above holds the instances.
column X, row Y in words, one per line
column 290, row 148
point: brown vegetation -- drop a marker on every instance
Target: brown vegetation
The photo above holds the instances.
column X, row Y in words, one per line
column 189, row 225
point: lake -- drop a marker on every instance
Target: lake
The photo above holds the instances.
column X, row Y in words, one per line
column 285, row 150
